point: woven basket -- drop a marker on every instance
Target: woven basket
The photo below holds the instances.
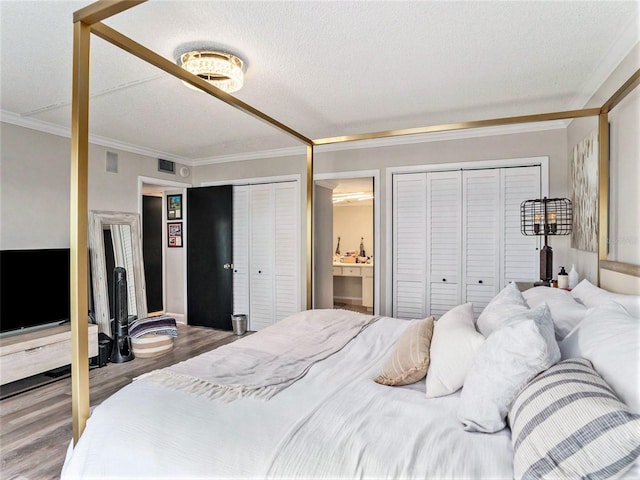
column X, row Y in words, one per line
column 151, row 345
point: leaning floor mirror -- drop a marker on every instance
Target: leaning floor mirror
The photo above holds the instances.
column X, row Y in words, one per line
column 115, row 241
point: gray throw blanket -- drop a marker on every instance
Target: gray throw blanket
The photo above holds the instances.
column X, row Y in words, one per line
column 263, row 364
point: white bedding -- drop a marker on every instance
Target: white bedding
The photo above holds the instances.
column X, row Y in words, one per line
column 335, row 422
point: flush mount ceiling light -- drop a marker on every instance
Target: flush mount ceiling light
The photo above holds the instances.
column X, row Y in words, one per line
column 222, row 70
column 351, row 197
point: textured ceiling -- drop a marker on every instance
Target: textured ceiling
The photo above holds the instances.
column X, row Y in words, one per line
column 321, row 68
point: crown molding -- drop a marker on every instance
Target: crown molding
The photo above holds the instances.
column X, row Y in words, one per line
column 53, row 129
column 46, row 127
column 237, row 157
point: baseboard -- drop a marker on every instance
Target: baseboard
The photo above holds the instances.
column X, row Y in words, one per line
column 180, row 317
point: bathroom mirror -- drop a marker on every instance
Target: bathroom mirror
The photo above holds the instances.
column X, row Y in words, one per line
column 115, row 241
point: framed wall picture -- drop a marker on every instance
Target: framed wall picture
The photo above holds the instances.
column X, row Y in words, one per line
column 174, row 207
column 174, row 231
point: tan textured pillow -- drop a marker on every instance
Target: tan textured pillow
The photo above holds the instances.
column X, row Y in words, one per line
column 409, row 360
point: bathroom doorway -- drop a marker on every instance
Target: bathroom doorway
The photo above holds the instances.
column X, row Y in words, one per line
column 346, row 241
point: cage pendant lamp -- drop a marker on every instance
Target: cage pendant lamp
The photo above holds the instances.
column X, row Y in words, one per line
column 220, row 69
column 545, row 217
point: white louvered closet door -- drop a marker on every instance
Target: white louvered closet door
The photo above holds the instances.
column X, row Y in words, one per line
column 261, row 263
column 241, row 250
column 287, row 299
column 443, row 241
column 481, row 237
column 409, row 245
column 520, row 254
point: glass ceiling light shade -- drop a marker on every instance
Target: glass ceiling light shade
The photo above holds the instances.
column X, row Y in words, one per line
column 222, row 70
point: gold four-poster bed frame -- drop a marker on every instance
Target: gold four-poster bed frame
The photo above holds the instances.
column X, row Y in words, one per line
column 88, row 20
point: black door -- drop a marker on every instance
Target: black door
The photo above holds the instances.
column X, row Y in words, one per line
column 152, row 251
column 209, row 254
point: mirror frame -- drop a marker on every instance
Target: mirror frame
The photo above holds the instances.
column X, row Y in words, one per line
column 97, row 221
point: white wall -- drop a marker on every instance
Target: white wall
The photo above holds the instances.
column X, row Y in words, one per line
column 624, row 195
column 322, row 247
column 350, row 223
column 34, row 189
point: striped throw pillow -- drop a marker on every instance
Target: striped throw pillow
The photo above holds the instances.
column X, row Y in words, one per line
column 568, row 423
column 409, row 360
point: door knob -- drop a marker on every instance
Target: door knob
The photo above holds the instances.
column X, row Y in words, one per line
column 228, row 266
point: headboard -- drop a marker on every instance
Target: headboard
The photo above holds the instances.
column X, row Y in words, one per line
column 619, row 277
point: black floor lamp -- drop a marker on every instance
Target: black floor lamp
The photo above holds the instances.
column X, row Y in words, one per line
column 546, row 216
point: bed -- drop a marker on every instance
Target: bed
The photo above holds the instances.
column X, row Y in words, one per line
column 354, row 409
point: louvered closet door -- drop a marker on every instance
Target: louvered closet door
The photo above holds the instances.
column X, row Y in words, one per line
column 261, row 259
column 481, row 237
column 241, row 250
column 409, row 245
column 521, row 257
column 443, row 241
column 287, row 289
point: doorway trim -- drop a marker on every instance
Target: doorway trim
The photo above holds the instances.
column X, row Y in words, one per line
column 173, row 185
column 375, row 174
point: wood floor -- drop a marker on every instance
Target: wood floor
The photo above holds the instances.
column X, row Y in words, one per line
column 35, row 426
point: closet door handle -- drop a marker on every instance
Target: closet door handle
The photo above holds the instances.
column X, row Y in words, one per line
column 444, row 279
column 480, row 281
column 259, row 271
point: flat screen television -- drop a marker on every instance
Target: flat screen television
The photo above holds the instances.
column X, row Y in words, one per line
column 34, row 288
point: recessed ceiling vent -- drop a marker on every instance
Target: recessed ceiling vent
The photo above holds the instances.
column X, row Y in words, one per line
column 166, row 166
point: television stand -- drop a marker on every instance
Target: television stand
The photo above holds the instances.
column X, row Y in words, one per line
column 28, row 354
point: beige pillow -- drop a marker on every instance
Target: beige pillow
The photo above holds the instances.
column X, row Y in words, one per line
column 409, row 360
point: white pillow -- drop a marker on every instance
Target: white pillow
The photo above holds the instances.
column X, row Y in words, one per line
column 505, row 305
column 454, row 344
column 610, row 339
column 566, row 311
column 592, row 296
column 509, row 358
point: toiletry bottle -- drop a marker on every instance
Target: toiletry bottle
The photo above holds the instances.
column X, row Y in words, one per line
column 563, row 278
column 573, row 277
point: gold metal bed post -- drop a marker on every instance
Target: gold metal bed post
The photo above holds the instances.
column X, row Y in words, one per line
column 78, row 205
column 310, row 187
column 78, row 233
column 603, row 189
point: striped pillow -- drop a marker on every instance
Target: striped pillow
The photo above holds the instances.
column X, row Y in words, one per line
column 409, row 360
column 568, row 423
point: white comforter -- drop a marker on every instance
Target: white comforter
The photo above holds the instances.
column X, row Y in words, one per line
column 333, row 423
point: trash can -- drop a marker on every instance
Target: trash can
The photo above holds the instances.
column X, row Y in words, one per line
column 239, row 322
